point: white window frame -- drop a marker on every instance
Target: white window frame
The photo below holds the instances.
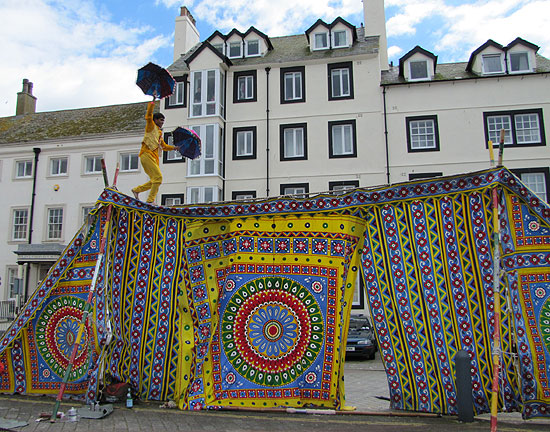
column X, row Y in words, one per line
column 11, row 275
column 200, row 194
column 218, row 46
column 50, row 222
column 20, row 237
column 427, row 76
column 173, row 201
column 133, row 162
column 246, row 81
column 422, row 134
column 536, row 182
column 320, row 47
column 484, row 63
column 28, row 168
column 178, row 97
column 298, row 191
column 296, row 85
column 247, row 49
column 97, row 160
column 292, row 149
column 337, row 73
column 513, row 53
column 333, row 39
column 58, row 160
column 199, row 104
column 246, row 148
column 232, row 44
column 211, row 152
column 519, row 127
column 346, row 130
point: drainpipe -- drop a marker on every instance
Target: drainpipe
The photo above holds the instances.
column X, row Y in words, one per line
column 36, row 151
column 267, row 70
column 386, row 138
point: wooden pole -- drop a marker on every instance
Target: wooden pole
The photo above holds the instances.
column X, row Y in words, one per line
column 501, row 148
column 104, row 170
column 496, row 309
column 491, row 152
column 85, row 313
column 116, row 174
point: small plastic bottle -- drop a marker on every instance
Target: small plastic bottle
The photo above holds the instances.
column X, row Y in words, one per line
column 129, row 400
column 71, row 415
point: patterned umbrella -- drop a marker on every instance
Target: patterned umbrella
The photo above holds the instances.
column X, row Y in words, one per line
column 155, row 81
column 187, row 142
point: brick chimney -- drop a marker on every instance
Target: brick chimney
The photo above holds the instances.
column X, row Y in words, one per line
column 26, row 102
column 186, row 35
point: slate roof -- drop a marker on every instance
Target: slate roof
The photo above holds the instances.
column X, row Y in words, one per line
column 76, row 123
column 294, row 48
column 455, row 71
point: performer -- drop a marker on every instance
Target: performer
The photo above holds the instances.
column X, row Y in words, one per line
column 149, row 154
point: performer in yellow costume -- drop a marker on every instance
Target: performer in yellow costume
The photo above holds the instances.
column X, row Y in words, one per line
column 149, row 154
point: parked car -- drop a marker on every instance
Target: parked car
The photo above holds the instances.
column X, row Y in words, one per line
column 361, row 341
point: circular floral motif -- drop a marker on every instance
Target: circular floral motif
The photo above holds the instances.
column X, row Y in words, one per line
column 272, row 330
column 540, row 292
column 230, row 285
column 534, row 226
column 311, row 377
column 317, row 287
column 56, row 333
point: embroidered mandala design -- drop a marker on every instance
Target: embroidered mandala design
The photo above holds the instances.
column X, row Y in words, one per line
column 272, row 330
column 56, row 333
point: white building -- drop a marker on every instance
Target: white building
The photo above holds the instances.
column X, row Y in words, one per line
column 292, row 115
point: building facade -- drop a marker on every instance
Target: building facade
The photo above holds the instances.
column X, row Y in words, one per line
column 318, row 112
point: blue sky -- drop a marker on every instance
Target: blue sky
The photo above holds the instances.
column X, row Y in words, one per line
column 82, row 53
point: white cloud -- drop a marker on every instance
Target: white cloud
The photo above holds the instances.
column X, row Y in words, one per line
column 74, row 53
column 394, row 51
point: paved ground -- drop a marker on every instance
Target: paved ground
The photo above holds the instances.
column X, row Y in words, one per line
column 365, row 380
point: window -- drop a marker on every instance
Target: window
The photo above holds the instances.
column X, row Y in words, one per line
column 220, row 47
column 419, row 176
column 20, row 222
column 177, row 99
column 209, row 162
column 243, row 195
column 244, row 86
column 244, row 143
column 320, row 41
column 85, row 211
column 521, row 128
column 418, row 70
column 207, row 90
column 92, row 164
column 129, row 162
column 23, row 169
column 422, row 134
column 342, row 139
column 171, row 156
column 492, row 63
column 519, row 62
column 58, row 166
column 536, row 179
column 339, row 39
column 293, row 141
column 55, row 223
column 172, row 199
column 340, row 81
column 252, row 48
column 358, row 293
column 299, row 189
column 293, row 86
column 340, row 187
column 235, row 49
column 14, row 283
column 203, row 194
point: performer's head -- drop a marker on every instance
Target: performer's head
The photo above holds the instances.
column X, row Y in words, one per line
column 158, row 118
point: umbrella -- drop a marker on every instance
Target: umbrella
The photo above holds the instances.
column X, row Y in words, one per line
column 155, row 81
column 187, row 142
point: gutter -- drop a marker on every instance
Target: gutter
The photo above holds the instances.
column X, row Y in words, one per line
column 36, row 151
column 267, row 70
column 386, row 138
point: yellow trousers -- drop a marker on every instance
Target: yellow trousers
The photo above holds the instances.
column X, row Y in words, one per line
column 151, row 168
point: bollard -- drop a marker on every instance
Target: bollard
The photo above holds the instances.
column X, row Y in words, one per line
column 463, row 384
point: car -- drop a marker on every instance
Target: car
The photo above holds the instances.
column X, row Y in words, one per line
column 361, row 342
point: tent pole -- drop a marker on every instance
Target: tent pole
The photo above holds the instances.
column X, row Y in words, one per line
column 496, row 293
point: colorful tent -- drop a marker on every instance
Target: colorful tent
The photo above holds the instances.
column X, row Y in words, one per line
column 247, row 303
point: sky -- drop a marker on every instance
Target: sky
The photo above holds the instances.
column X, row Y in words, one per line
column 85, row 53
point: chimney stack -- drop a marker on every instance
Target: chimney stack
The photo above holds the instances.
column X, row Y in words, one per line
column 26, row 102
column 186, row 35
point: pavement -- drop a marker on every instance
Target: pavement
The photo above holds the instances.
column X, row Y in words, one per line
column 366, row 389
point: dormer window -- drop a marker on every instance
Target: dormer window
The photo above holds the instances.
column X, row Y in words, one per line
column 339, row 39
column 235, row 49
column 519, row 62
column 252, row 48
column 220, row 47
column 492, row 63
column 320, row 41
column 418, row 70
